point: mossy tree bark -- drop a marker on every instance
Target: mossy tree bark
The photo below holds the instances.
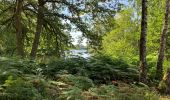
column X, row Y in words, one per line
column 159, row 70
column 143, row 63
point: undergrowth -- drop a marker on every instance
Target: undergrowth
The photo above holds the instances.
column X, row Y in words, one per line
column 71, row 79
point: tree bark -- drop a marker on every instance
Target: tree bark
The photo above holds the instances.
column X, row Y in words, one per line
column 18, row 28
column 143, row 63
column 159, row 70
column 38, row 28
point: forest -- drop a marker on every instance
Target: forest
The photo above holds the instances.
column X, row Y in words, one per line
column 84, row 50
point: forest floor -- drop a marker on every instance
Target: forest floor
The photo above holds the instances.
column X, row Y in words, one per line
column 72, row 79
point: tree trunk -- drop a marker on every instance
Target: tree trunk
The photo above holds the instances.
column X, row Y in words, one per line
column 159, row 71
column 18, row 27
column 38, row 28
column 143, row 63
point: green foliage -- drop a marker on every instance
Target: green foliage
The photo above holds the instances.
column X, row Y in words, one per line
column 116, row 36
column 152, row 63
column 108, row 92
column 155, row 22
column 81, row 82
column 152, row 59
column 17, row 68
column 71, row 65
column 104, row 69
column 122, row 41
column 69, row 84
column 101, row 69
column 73, row 93
column 162, row 87
column 104, row 92
column 19, row 90
column 56, row 27
column 125, row 92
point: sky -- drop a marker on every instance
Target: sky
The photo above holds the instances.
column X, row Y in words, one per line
column 75, row 36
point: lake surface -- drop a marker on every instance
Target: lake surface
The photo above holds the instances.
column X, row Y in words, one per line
column 82, row 53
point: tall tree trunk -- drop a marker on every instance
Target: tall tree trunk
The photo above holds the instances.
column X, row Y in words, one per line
column 38, row 28
column 143, row 63
column 18, row 27
column 159, row 70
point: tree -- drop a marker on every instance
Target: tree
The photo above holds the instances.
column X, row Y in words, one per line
column 142, row 48
column 11, row 20
column 159, row 71
column 75, row 10
column 18, row 27
column 122, row 40
column 59, row 18
column 38, row 28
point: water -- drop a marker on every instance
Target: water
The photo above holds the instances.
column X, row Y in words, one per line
column 82, row 53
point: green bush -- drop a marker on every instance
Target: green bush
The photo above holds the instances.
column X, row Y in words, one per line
column 101, row 69
column 137, row 93
column 17, row 68
column 73, row 93
column 81, row 82
column 104, row 92
column 19, row 90
column 71, row 79
column 71, row 65
column 24, row 65
column 126, row 92
column 72, row 86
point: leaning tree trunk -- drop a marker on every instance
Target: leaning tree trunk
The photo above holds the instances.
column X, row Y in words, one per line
column 159, row 71
column 38, row 28
column 143, row 63
column 18, row 27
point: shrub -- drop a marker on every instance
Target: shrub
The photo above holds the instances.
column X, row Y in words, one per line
column 16, row 68
column 73, row 93
column 126, row 92
column 104, row 92
column 71, row 79
column 71, row 65
column 71, row 86
column 81, row 82
column 19, row 90
column 103, row 69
